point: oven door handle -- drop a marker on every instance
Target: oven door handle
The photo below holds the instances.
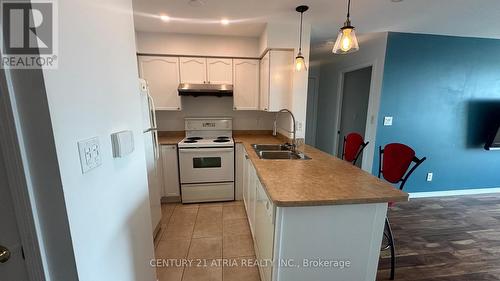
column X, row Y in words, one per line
column 201, row 150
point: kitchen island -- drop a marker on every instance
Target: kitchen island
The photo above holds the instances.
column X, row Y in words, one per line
column 318, row 219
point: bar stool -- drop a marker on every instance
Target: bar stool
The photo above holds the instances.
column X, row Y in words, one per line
column 353, row 147
column 394, row 161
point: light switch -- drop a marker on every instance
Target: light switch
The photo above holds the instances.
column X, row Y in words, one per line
column 430, row 176
column 90, row 154
column 388, row 121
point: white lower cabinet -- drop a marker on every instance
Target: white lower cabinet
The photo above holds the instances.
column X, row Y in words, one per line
column 170, row 166
column 261, row 217
column 264, row 231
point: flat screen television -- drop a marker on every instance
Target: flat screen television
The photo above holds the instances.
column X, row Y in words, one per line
column 494, row 142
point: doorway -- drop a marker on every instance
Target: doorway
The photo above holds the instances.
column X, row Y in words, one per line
column 356, row 86
column 12, row 266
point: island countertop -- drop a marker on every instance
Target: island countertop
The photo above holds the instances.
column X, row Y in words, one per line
column 322, row 180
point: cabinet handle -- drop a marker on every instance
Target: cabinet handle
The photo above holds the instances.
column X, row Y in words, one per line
column 235, row 108
column 246, row 157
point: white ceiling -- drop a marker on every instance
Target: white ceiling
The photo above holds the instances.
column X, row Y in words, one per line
column 476, row 18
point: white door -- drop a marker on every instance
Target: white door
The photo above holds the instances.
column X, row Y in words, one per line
column 170, row 171
column 12, row 265
column 193, row 70
column 246, row 84
column 264, row 83
column 220, row 71
column 162, row 75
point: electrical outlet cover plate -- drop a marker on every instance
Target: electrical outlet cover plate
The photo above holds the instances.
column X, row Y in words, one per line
column 430, row 176
column 90, row 154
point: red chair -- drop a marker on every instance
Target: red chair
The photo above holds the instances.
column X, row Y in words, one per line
column 394, row 161
column 353, row 147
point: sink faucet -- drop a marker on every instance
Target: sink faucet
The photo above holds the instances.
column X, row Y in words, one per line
column 275, row 127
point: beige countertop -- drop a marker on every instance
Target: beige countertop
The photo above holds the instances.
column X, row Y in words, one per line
column 323, row 180
column 173, row 137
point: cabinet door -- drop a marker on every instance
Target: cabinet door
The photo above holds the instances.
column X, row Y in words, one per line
column 240, row 164
column 264, row 83
column 170, row 171
column 246, row 84
column 280, row 79
column 220, row 71
column 193, row 70
column 264, row 230
column 251, row 191
column 162, row 75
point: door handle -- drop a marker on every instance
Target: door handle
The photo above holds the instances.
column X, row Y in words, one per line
column 4, row 254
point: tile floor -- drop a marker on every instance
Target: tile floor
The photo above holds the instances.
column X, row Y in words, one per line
column 215, row 237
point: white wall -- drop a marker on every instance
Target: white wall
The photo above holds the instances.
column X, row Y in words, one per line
column 202, row 45
column 371, row 52
column 214, row 107
column 95, row 93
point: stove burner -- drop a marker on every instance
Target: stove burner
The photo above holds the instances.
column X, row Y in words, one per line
column 221, row 140
column 190, row 141
column 194, row 138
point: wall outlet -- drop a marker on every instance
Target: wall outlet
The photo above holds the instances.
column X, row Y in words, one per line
column 298, row 125
column 429, row 176
column 388, row 121
column 90, row 154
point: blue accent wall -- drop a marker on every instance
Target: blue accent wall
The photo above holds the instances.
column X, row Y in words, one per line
column 444, row 95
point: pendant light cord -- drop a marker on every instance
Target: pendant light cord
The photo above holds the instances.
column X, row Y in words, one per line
column 348, row 9
column 300, row 32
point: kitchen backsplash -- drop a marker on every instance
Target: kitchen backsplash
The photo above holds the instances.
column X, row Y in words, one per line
column 214, row 107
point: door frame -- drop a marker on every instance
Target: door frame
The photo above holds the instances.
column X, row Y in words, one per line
column 371, row 114
column 18, row 179
column 315, row 107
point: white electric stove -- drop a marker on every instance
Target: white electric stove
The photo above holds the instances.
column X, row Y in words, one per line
column 206, row 160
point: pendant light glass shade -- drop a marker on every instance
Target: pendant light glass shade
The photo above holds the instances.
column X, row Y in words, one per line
column 300, row 62
column 346, row 40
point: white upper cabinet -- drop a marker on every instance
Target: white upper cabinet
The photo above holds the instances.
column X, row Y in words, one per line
column 219, row 71
column 276, row 80
column 246, row 84
column 193, row 70
column 162, row 75
column 206, row 70
column 264, row 83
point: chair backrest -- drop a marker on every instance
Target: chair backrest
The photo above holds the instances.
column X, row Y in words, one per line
column 353, row 146
column 394, row 161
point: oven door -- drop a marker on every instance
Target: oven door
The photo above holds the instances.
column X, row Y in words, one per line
column 206, row 165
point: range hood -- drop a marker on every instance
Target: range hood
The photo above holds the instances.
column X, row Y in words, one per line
column 494, row 143
column 218, row 90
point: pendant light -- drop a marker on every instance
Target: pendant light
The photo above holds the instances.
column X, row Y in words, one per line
column 346, row 40
column 300, row 62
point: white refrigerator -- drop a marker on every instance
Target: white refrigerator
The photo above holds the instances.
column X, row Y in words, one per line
column 152, row 148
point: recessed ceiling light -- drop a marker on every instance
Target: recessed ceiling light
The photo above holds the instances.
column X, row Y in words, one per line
column 165, row 18
column 224, row 21
column 196, row 3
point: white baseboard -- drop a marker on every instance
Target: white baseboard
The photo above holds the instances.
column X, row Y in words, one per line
column 454, row 192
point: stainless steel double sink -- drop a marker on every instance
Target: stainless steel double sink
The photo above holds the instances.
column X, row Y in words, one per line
column 278, row 151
